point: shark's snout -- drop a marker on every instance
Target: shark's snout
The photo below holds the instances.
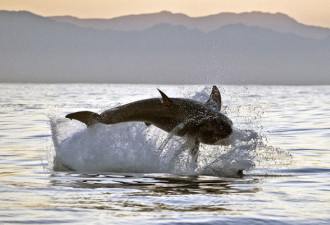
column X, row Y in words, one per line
column 215, row 130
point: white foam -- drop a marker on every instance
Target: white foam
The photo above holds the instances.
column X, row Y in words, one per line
column 134, row 147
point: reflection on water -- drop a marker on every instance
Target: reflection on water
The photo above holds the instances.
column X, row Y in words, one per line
column 151, row 193
column 157, row 184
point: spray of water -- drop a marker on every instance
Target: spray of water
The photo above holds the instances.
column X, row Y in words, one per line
column 134, row 147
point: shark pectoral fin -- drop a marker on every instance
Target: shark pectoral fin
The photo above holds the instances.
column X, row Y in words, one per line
column 165, row 100
column 86, row 117
column 215, row 99
column 174, row 132
column 187, row 125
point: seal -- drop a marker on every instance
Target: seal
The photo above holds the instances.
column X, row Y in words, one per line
column 198, row 122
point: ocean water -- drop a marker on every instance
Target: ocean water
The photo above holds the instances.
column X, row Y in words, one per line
column 56, row 171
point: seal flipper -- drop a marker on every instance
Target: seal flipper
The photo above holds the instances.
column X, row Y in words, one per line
column 215, row 99
column 86, row 117
column 165, row 100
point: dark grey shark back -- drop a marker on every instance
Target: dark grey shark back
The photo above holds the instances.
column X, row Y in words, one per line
column 177, row 116
column 154, row 111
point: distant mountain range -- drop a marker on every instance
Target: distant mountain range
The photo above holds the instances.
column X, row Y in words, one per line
column 277, row 22
column 163, row 48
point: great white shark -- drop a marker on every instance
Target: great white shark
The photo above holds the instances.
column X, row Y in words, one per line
column 198, row 122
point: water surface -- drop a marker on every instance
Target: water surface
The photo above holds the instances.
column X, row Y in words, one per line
column 122, row 177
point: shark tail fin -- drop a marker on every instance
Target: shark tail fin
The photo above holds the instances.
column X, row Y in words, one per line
column 86, row 117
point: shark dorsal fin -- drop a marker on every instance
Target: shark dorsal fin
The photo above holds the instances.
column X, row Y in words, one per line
column 165, row 100
column 215, row 99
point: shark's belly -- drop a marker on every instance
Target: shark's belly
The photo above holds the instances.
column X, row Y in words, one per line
column 165, row 123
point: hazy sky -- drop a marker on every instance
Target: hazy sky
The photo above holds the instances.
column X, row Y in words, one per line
column 312, row 12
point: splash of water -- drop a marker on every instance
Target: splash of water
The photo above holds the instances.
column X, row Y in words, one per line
column 133, row 147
